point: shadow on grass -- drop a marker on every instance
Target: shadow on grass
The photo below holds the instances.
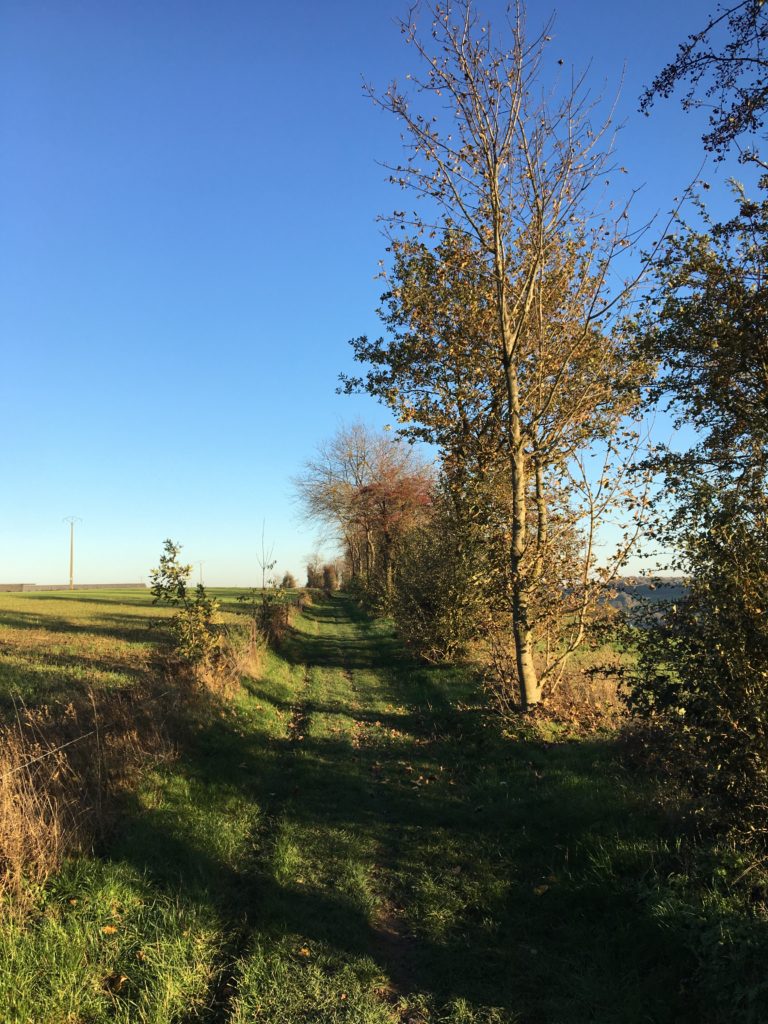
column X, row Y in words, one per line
column 505, row 948
column 138, row 629
column 302, row 647
column 140, row 599
column 58, row 678
column 549, row 862
column 549, row 865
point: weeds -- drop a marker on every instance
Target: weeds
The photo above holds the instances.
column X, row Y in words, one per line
column 270, row 613
column 62, row 771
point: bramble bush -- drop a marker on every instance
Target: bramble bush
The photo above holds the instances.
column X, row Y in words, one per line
column 703, row 674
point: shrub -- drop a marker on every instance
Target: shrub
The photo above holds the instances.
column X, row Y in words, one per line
column 701, row 685
column 438, row 606
column 289, row 582
column 270, row 614
column 199, row 639
column 330, row 578
column 314, row 575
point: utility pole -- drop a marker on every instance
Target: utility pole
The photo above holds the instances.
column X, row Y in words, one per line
column 72, row 520
column 200, row 567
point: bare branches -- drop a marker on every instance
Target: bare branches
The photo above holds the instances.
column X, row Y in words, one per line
column 368, row 488
column 726, row 74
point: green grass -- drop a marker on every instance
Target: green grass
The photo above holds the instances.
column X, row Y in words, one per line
column 52, row 643
column 354, row 839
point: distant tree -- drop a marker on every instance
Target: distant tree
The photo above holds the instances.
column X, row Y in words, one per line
column 329, row 483
column 314, row 571
column 289, row 582
column 368, row 489
column 725, row 65
column 330, row 578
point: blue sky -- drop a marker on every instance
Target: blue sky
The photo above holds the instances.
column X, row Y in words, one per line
column 188, row 239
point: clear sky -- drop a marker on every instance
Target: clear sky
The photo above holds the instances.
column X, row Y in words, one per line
column 188, row 239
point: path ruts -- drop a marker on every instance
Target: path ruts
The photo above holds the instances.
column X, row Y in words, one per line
column 405, row 864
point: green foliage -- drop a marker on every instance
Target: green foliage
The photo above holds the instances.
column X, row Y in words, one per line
column 439, row 603
column 707, row 324
column 269, row 612
column 196, row 628
column 703, row 674
column 169, row 580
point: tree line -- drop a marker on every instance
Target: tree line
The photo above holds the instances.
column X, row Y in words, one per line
column 525, row 346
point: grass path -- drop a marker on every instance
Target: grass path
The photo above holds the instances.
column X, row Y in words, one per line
column 355, row 840
column 408, row 863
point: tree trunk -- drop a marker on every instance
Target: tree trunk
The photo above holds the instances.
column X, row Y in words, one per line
column 389, row 569
column 370, row 556
column 527, row 677
column 530, row 687
column 354, row 558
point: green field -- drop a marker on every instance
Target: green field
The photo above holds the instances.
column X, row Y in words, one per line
column 354, row 838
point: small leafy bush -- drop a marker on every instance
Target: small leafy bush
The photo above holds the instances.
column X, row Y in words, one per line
column 198, row 636
column 270, row 614
column 701, row 685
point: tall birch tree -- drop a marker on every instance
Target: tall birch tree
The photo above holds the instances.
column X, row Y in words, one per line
column 510, row 176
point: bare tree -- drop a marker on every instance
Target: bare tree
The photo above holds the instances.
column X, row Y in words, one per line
column 265, row 557
column 367, row 488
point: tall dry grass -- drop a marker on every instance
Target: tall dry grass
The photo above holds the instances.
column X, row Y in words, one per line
column 62, row 770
